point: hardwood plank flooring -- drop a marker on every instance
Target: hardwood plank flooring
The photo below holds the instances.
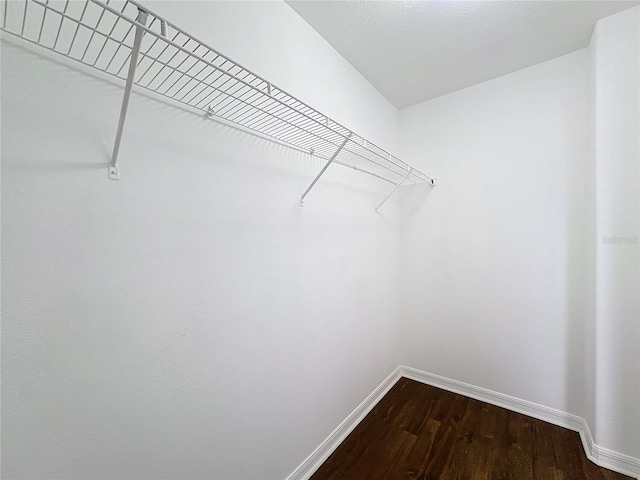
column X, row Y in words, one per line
column 421, row 432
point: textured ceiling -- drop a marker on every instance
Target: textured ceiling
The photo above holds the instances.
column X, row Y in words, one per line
column 412, row 51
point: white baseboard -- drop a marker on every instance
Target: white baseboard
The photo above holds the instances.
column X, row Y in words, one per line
column 326, row 448
column 600, row 456
column 530, row 409
column 607, row 458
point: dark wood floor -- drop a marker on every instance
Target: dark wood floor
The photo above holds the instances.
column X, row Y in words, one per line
column 421, row 432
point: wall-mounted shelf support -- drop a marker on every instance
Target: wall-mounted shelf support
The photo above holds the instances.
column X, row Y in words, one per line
column 114, row 173
column 324, row 169
column 394, row 188
column 127, row 41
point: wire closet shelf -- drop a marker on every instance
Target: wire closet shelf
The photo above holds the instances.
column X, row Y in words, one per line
column 124, row 39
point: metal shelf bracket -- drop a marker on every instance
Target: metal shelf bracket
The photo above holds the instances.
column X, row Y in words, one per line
column 324, row 169
column 125, row 40
column 395, row 188
column 114, row 173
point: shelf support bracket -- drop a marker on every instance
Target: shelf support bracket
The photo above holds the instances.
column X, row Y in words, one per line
column 324, row 169
column 114, row 173
column 394, row 188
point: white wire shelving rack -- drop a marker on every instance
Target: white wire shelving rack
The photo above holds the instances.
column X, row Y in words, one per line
column 124, row 39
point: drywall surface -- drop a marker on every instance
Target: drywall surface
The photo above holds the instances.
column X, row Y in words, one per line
column 271, row 39
column 190, row 320
column 616, row 44
column 590, row 207
column 523, row 274
column 493, row 281
column 415, row 51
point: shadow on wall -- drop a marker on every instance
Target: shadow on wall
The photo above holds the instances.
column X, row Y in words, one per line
column 414, row 198
column 579, row 272
column 97, row 137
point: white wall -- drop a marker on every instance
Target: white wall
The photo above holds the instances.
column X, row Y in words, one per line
column 616, row 47
column 271, row 39
column 191, row 320
column 521, row 270
column 493, row 281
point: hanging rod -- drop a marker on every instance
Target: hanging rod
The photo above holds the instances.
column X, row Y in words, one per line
column 124, row 39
